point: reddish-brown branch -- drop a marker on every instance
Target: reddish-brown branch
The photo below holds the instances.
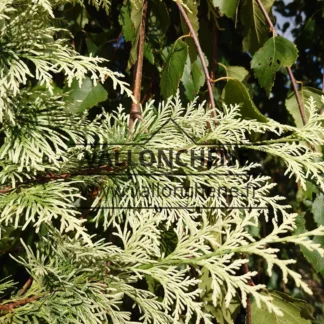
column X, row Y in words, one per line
column 201, row 55
column 136, row 112
column 291, row 76
column 267, row 18
column 54, row 176
column 26, row 286
column 299, row 101
column 10, row 307
column 5, row 190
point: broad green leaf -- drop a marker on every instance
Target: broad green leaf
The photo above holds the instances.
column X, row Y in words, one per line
column 237, row 72
column 226, row 7
column 136, row 17
column 236, row 93
column 193, row 78
column 295, row 311
column 173, row 69
column 241, row 74
column 256, row 30
column 313, row 257
column 292, row 106
column 130, row 19
column 88, row 96
column 193, row 17
column 126, row 22
column 277, row 52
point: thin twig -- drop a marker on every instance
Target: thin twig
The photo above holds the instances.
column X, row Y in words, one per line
column 299, row 101
column 201, row 55
column 26, row 286
column 267, row 18
column 64, row 176
column 291, row 76
column 11, row 306
column 136, row 112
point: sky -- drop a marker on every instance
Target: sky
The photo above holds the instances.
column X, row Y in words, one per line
column 281, row 20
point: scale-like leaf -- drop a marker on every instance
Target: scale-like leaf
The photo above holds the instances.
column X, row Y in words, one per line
column 256, row 30
column 292, row 106
column 235, row 92
column 173, row 69
column 88, row 96
column 295, row 311
column 226, row 7
column 277, row 52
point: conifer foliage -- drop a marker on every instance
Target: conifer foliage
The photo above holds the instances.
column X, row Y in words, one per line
column 86, row 259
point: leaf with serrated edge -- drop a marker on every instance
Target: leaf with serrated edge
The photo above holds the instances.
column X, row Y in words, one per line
column 173, row 69
column 226, row 7
column 277, row 52
column 292, row 106
column 295, row 311
column 235, row 92
column 130, row 19
column 313, row 257
column 237, row 72
column 193, row 78
column 256, row 30
column 193, row 18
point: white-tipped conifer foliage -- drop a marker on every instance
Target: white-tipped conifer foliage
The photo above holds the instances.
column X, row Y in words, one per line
column 45, row 180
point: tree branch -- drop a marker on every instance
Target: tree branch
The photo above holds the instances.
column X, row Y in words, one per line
column 201, row 55
column 291, row 76
column 26, row 286
column 64, row 176
column 11, row 306
column 136, row 112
